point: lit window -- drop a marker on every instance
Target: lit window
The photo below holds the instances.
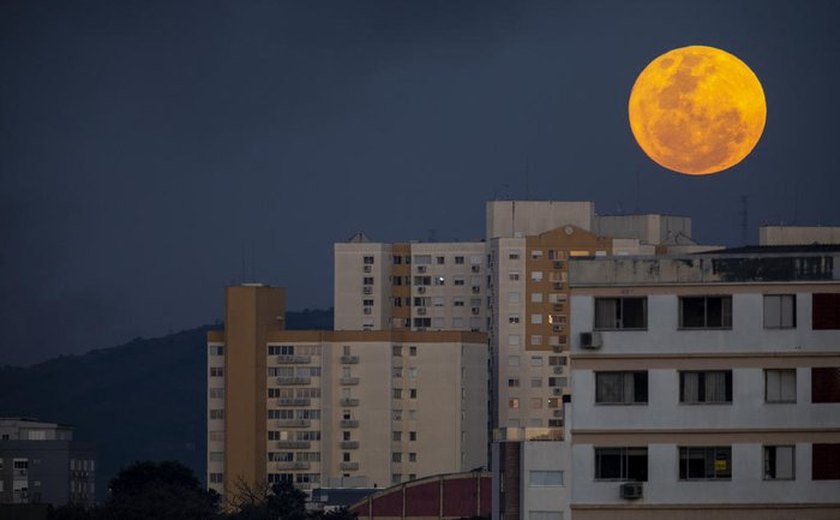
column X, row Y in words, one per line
column 705, row 463
column 513, row 402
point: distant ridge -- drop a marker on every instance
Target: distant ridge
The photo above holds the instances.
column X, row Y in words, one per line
column 141, row 400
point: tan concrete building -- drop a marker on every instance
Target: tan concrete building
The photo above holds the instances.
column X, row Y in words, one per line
column 410, row 286
column 798, row 235
column 344, row 408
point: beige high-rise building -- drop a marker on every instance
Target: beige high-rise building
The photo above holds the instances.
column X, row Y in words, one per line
column 352, row 408
column 410, row 286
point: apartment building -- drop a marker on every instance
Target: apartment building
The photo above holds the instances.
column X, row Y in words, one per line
column 706, row 386
column 353, row 408
column 41, row 463
column 410, row 286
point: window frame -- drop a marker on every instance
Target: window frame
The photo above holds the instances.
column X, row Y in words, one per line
column 683, row 453
column 780, row 317
column 635, row 386
column 726, row 318
column 624, row 452
column 780, row 400
column 764, row 460
column 620, row 313
column 701, row 387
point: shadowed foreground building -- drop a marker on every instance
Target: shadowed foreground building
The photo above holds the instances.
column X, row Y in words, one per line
column 41, row 463
column 344, row 408
column 706, row 386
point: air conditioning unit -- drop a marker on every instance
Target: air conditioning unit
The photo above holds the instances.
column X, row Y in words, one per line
column 590, row 340
column 421, row 290
column 631, row 490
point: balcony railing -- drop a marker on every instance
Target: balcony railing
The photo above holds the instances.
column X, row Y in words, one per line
column 349, row 381
column 349, row 466
column 349, row 360
column 294, row 360
column 294, row 401
column 292, row 465
column 293, row 423
column 294, row 381
column 349, row 423
column 293, row 445
column 349, row 445
column 349, row 401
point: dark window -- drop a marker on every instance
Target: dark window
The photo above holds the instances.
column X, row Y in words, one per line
column 368, row 260
column 621, row 464
column 825, row 311
column 711, row 387
column 621, row 387
column 825, row 385
column 620, row 313
column 702, row 463
column 825, row 462
column 779, row 311
column 706, row 312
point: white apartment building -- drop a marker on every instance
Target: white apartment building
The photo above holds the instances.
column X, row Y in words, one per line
column 410, row 286
column 706, row 386
column 360, row 408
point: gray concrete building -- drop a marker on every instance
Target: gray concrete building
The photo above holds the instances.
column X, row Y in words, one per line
column 41, row 463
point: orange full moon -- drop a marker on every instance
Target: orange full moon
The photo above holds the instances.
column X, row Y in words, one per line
column 697, row 110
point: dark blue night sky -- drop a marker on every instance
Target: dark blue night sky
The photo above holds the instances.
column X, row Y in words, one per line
column 146, row 148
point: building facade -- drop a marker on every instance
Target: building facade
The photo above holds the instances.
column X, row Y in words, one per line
column 358, row 408
column 706, row 386
column 410, row 286
column 41, row 463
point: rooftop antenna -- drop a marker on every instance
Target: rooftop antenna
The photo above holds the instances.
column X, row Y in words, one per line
column 527, row 184
column 744, row 219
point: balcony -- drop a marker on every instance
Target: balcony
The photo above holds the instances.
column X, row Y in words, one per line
column 293, row 423
column 349, row 466
column 293, row 445
column 349, row 401
column 349, row 423
column 349, row 360
column 349, row 381
column 349, row 445
column 291, row 402
column 528, row 434
column 292, row 465
column 294, row 360
column 294, row 381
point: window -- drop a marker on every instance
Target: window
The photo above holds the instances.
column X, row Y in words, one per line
column 396, row 457
column 459, row 260
column 513, row 340
column 825, row 385
column 396, row 351
column 217, row 414
column 825, row 462
column 440, row 260
column 217, row 393
column 397, row 393
column 825, row 311
column 709, row 387
column 513, row 297
column 513, row 382
column 412, row 393
column 779, row 311
column 513, row 361
column 216, row 478
column 780, row 385
column 513, row 318
column 706, row 463
column 536, row 382
column 513, row 276
column 513, row 402
column 412, row 457
column 536, row 361
column 514, row 255
column 706, row 312
column 536, row 297
column 367, row 280
column 396, row 436
column 536, row 319
column 621, row 464
column 412, row 351
column 621, row 387
column 412, row 436
column 536, row 276
column 779, row 462
column 620, row 313
column 368, row 260
column 217, row 372
column 458, row 280
column 545, row 478
column 458, row 302
column 217, row 350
